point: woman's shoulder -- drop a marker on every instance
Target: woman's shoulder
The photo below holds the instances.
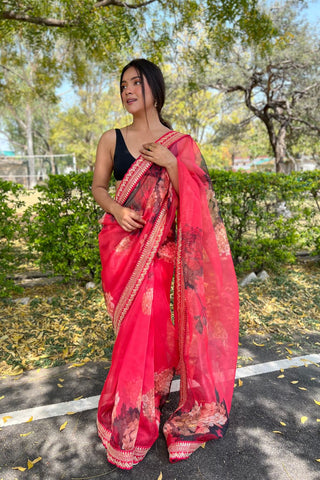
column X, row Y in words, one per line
column 108, row 136
column 107, row 143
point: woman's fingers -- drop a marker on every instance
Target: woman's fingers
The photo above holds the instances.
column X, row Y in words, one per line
column 130, row 220
column 156, row 153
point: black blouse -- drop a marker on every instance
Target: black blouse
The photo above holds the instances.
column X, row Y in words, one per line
column 123, row 159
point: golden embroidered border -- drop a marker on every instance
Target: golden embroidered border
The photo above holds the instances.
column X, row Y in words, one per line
column 182, row 329
column 147, row 255
column 140, row 167
column 121, row 458
column 183, row 450
column 133, row 175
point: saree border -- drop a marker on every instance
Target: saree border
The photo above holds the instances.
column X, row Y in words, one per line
column 182, row 450
column 146, row 258
column 121, row 458
column 182, row 328
column 141, row 166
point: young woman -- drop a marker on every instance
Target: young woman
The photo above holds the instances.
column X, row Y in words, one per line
column 164, row 219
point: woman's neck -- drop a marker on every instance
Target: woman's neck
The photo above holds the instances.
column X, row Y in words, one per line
column 144, row 123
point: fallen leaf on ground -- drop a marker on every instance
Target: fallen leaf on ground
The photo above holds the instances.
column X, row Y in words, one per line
column 280, row 376
column 63, row 426
column 30, row 420
column 289, row 351
column 258, row 344
column 21, row 469
column 6, row 418
column 203, row 445
column 302, row 388
column 25, row 434
column 294, row 382
column 277, row 431
column 304, row 419
column 316, row 401
column 240, row 382
column 78, row 398
column 31, row 463
column 283, row 424
column 2, row 397
column 74, row 365
column 160, row 476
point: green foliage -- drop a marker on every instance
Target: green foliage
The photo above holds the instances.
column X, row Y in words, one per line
column 10, row 228
column 107, row 29
column 268, row 216
column 78, row 129
column 62, row 228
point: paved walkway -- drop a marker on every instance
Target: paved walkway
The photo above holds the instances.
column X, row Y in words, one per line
column 276, row 393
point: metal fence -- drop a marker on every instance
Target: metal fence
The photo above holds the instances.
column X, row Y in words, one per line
column 30, row 170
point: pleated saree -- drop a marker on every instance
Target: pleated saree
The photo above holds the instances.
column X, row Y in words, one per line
column 183, row 235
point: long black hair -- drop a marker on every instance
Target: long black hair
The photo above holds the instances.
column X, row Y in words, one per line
column 154, row 77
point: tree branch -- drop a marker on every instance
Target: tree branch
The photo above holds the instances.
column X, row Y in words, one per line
column 118, row 3
column 49, row 22
column 305, row 122
column 53, row 22
column 16, row 74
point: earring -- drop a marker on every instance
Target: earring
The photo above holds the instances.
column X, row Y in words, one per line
column 155, row 104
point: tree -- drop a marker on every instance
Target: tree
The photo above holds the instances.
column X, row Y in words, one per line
column 28, row 80
column 280, row 87
column 110, row 30
column 97, row 107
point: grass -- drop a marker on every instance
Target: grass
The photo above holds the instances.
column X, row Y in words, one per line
column 68, row 324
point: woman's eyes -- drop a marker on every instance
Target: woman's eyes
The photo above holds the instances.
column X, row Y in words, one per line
column 137, row 82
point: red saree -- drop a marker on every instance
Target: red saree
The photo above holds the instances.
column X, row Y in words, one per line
column 201, row 344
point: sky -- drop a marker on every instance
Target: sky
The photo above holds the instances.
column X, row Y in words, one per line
column 312, row 14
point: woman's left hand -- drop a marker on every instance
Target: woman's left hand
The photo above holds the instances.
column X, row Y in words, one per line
column 158, row 154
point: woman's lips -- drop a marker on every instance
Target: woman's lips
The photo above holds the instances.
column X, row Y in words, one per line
column 131, row 100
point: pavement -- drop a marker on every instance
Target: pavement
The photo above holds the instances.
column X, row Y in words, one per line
column 269, row 437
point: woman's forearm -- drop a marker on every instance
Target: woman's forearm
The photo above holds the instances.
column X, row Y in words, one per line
column 103, row 198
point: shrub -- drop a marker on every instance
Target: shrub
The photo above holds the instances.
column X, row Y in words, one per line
column 267, row 216
column 62, row 228
column 10, row 228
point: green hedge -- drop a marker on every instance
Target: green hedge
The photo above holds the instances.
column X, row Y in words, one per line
column 61, row 229
column 10, row 230
column 261, row 233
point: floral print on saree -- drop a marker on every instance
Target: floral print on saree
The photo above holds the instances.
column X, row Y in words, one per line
column 201, row 345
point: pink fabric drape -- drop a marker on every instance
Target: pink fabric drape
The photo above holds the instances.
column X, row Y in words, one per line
column 201, row 343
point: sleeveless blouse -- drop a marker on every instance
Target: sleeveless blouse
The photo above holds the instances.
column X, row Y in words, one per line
column 123, row 159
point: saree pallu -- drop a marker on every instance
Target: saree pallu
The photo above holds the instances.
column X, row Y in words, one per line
column 200, row 344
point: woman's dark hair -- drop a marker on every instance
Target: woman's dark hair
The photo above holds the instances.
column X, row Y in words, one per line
column 155, row 80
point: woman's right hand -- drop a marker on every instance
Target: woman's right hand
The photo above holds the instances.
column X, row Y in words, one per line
column 128, row 219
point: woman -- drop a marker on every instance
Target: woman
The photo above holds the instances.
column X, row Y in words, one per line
column 160, row 172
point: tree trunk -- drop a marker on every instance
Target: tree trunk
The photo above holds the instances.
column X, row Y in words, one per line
column 31, row 166
column 280, row 151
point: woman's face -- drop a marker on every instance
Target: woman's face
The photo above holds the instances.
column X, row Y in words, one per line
column 132, row 93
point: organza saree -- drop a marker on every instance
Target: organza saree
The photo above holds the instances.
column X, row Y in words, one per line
column 184, row 236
